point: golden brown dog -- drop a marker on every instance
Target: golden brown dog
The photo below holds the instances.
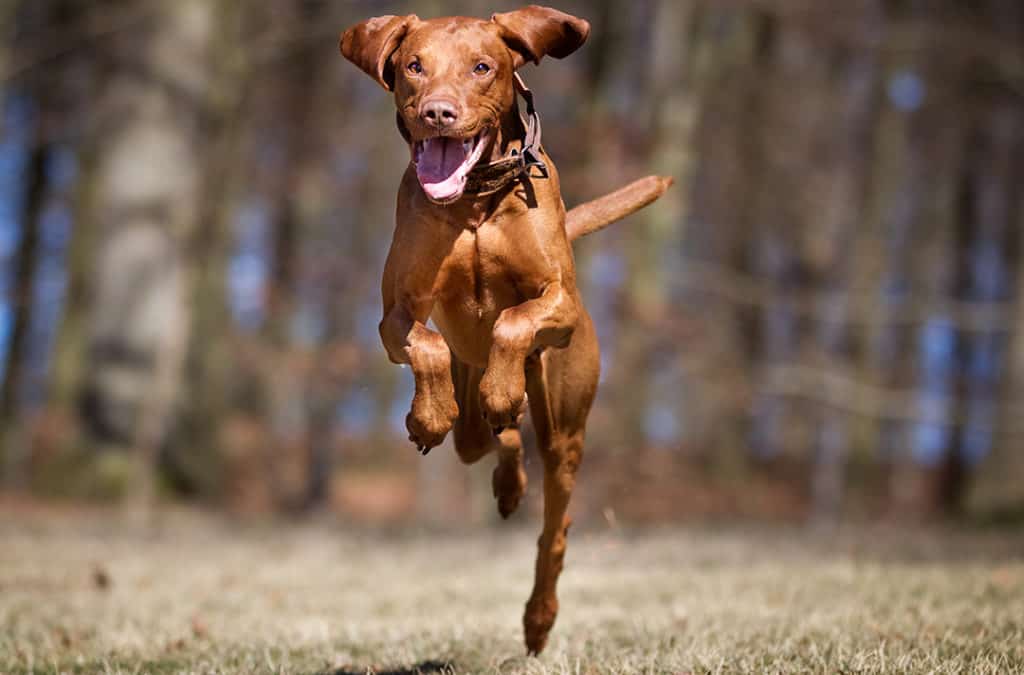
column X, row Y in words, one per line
column 482, row 247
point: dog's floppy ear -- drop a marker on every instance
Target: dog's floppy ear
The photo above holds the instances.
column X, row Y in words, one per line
column 535, row 32
column 371, row 43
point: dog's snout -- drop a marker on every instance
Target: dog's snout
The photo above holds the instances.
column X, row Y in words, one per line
column 439, row 113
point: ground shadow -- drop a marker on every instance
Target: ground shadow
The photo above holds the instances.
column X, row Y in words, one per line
column 422, row 668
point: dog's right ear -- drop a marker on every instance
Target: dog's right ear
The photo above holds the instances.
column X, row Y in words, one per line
column 371, row 43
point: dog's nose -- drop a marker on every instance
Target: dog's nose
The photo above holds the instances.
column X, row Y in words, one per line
column 439, row 113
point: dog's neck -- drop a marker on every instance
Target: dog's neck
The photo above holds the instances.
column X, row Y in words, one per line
column 511, row 134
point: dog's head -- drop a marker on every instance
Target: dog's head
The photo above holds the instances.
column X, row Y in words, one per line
column 453, row 80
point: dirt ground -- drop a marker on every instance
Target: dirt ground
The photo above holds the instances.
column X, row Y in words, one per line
column 93, row 593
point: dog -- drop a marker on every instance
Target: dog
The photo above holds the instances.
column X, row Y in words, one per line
column 482, row 247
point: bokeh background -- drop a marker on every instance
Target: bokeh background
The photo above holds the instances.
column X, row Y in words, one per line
column 823, row 320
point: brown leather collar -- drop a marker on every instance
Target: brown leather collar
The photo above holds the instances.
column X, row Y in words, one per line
column 487, row 179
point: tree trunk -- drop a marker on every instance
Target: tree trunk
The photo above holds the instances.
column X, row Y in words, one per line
column 733, row 47
column 69, row 359
column 12, row 446
column 843, row 215
column 992, row 433
column 196, row 455
column 151, row 115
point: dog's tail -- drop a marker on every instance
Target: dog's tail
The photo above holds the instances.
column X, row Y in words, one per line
column 603, row 211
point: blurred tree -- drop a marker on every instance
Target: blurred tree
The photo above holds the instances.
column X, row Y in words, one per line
column 995, row 208
column 197, row 446
column 718, row 228
column 12, row 449
column 152, row 115
column 833, row 199
column 7, row 36
column 36, row 89
column 299, row 201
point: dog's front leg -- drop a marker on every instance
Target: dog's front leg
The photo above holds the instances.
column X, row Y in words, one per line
column 408, row 340
column 545, row 321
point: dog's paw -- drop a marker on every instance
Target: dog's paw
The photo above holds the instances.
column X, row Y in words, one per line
column 537, row 622
column 509, row 484
column 501, row 398
column 429, row 421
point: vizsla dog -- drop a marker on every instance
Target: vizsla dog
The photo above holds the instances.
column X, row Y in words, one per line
column 483, row 247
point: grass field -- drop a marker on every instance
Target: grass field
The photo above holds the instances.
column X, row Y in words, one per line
column 200, row 595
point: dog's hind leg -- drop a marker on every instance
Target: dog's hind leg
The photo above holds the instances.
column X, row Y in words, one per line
column 475, row 438
column 561, row 385
column 473, row 435
column 509, row 478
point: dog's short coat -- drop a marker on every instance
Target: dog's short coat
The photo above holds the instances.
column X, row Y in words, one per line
column 494, row 270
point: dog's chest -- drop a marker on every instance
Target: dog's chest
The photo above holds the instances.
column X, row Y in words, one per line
column 474, row 284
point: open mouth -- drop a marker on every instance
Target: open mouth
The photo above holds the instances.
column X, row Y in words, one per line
column 443, row 162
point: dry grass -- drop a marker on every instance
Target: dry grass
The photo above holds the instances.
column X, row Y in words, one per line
column 204, row 596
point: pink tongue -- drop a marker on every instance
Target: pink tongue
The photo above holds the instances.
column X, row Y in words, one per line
column 440, row 159
column 437, row 165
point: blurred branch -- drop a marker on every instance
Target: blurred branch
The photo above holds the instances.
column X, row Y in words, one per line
column 949, row 35
column 952, row 36
column 95, row 26
column 842, row 391
column 273, row 45
column 741, row 289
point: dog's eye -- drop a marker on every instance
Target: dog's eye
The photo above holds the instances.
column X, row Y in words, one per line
column 415, row 68
column 482, row 69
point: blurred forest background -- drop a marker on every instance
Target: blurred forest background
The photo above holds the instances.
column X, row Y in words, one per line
column 823, row 319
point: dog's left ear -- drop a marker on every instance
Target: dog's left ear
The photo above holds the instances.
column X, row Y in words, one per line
column 371, row 43
column 535, row 32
